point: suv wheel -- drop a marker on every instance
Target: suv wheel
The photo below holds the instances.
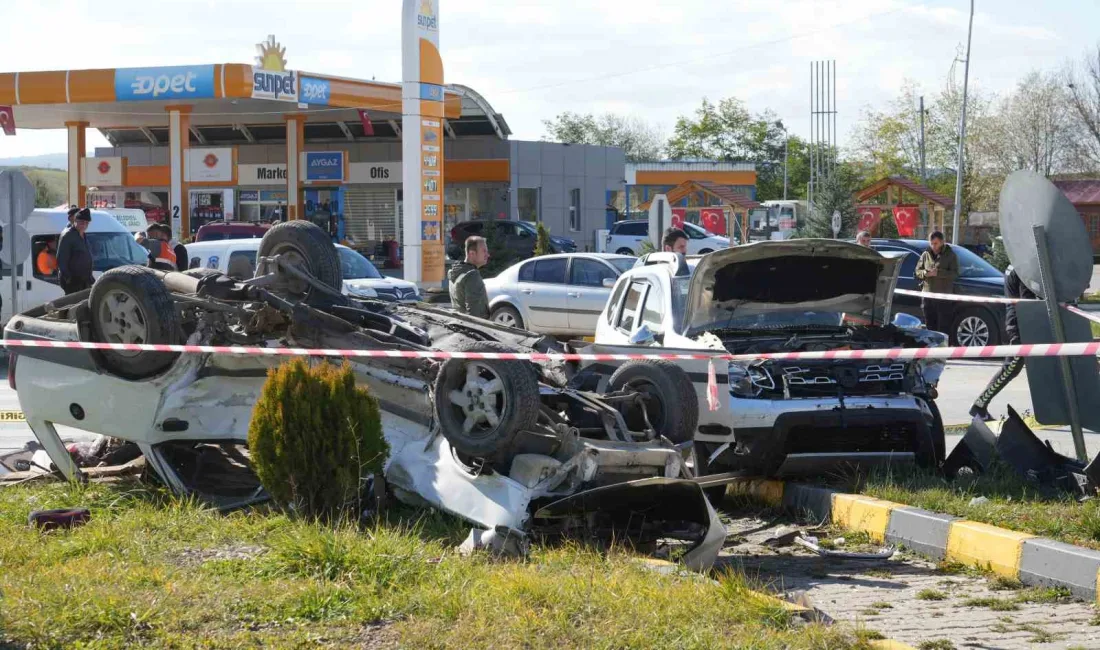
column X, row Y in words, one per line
column 975, row 327
column 625, row 251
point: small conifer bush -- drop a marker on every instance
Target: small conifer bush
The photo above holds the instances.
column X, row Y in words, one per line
column 314, row 438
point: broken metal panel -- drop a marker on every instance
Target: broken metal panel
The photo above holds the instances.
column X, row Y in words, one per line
column 1044, row 374
column 976, row 450
column 1035, row 460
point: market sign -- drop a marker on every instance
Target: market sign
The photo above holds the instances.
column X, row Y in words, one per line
column 270, row 78
column 269, row 174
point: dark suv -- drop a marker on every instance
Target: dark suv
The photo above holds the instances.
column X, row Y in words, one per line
column 518, row 237
column 974, row 324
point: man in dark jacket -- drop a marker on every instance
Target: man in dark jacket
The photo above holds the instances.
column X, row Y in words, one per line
column 468, row 295
column 937, row 269
column 1014, row 288
column 74, row 259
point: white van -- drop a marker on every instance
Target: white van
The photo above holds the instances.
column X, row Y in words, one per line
column 111, row 244
column 237, row 259
column 132, row 219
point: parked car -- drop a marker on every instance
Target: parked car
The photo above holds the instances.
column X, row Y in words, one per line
column 974, row 324
column 111, row 245
column 519, row 237
column 507, row 445
column 555, row 294
column 237, row 259
column 219, row 231
column 626, row 238
column 785, row 296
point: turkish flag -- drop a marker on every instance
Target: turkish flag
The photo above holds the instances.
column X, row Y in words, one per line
column 869, row 218
column 713, row 220
column 7, row 120
column 368, row 128
column 906, row 217
column 678, row 216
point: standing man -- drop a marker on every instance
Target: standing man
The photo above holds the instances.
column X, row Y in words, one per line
column 468, row 295
column 676, row 241
column 1011, row 366
column 74, row 259
column 161, row 255
column 937, row 269
column 864, row 239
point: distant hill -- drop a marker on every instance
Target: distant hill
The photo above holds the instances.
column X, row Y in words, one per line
column 46, row 161
column 51, row 185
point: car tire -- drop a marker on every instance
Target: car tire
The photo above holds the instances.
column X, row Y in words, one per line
column 514, row 404
column 310, row 249
column 626, row 251
column 130, row 304
column 673, row 406
column 508, row 316
column 975, row 327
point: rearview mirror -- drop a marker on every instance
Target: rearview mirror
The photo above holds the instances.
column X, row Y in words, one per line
column 608, row 283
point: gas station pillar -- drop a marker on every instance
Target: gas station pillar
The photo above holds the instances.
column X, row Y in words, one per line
column 295, row 144
column 76, row 190
column 179, row 140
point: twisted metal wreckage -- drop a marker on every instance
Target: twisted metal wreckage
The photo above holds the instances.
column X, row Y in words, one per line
column 514, row 447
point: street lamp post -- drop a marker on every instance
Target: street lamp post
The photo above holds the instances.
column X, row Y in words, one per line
column 962, row 133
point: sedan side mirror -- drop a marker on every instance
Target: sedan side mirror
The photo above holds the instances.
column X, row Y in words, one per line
column 608, row 283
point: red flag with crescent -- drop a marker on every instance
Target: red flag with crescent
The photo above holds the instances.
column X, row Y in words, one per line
column 906, row 217
column 678, row 217
column 7, row 120
column 869, row 217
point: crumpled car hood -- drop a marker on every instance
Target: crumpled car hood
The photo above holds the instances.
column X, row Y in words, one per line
column 821, row 275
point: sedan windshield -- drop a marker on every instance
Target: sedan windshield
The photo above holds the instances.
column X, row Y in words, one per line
column 114, row 249
column 354, row 266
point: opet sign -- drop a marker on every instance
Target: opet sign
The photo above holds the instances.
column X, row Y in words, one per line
column 275, row 84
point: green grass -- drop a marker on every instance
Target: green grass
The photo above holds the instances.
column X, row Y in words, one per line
column 931, row 594
column 152, row 571
column 1013, row 503
column 939, row 644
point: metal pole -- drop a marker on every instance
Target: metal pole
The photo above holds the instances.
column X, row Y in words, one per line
column 10, row 179
column 923, row 171
column 962, row 133
column 835, row 151
column 1055, row 315
column 810, row 194
column 786, row 153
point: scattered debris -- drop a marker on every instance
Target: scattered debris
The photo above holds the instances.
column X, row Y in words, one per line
column 978, row 501
column 502, row 542
column 63, row 518
column 813, row 544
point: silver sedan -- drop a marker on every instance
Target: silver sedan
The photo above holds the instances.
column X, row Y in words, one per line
column 555, row 294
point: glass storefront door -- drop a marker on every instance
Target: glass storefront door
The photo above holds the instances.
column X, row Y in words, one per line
column 324, row 206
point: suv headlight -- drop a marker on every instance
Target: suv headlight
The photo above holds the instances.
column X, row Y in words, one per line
column 749, row 379
column 363, row 292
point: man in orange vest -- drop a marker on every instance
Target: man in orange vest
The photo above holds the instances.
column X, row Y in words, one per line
column 46, row 261
column 161, row 256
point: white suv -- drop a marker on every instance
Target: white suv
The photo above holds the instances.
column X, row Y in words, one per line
column 626, row 238
column 785, row 296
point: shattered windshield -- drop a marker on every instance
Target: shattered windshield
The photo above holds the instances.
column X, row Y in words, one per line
column 354, row 266
column 114, row 249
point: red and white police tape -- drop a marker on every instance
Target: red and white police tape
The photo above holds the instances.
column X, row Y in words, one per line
column 986, row 352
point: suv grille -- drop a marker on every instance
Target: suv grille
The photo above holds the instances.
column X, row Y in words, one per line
column 820, row 380
column 802, row 376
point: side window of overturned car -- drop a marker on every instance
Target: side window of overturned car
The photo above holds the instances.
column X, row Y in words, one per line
column 635, row 296
column 613, row 303
column 653, row 314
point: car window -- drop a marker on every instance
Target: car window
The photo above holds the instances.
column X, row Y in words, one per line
column 550, row 271
column 616, row 296
column 527, row 272
column 635, row 229
column 590, row 273
column 634, row 296
column 908, row 263
column 354, row 266
column 694, row 232
column 653, row 314
column 623, row 264
column 971, row 265
column 242, row 265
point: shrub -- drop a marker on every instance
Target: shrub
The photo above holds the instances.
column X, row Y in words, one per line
column 314, row 437
column 542, row 240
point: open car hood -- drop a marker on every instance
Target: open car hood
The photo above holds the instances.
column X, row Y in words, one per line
column 791, row 276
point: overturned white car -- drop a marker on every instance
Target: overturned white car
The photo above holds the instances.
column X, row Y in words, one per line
column 500, row 443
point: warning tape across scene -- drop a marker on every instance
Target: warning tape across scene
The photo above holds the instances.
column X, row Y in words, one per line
column 1092, row 316
column 986, row 352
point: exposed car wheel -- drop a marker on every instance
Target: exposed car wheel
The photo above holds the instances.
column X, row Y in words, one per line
column 975, row 327
column 669, row 396
column 625, row 251
column 306, row 246
column 931, row 453
column 482, row 405
column 130, row 304
column 507, row 316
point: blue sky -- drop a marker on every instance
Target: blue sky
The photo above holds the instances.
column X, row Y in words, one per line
column 533, row 59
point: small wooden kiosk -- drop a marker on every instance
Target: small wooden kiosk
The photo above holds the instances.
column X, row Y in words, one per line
column 886, row 194
column 701, row 195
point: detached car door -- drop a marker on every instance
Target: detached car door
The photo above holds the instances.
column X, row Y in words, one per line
column 543, row 290
column 587, row 294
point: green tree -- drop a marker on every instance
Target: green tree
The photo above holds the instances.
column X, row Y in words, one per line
column 45, row 196
column 315, row 437
column 832, row 195
column 639, row 140
column 727, row 131
column 542, row 240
